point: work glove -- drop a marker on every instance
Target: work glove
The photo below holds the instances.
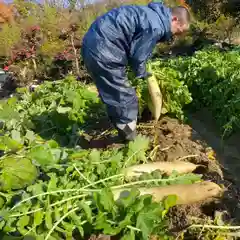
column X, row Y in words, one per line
column 127, row 132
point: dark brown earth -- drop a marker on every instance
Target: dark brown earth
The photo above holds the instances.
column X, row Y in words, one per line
column 198, row 144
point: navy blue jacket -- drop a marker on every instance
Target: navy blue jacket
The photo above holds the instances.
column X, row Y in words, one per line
column 128, row 35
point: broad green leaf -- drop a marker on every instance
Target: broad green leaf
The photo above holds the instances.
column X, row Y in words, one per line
column 42, row 155
column 137, row 149
column 17, row 173
column 147, row 218
column 56, row 153
column 36, row 189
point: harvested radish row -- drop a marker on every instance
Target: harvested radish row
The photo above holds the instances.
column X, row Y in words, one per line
column 155, row 105
column 166, row 167
column 186, row 194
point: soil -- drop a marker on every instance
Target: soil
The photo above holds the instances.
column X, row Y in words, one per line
column 181, row 141
column 199, row 144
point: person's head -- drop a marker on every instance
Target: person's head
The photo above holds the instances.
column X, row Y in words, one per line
column 180, row 21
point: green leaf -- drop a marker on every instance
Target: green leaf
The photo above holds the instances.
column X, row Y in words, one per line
column 126, row 221
column 77, row 222
column 147, row 218
column 87, row 210
column 10, row 225
column 128, row 236
column 42, row 155
column 61, row 109
column 130, row 199
column 16, row 173
column 16, row 135
column 52, row 144
column 2, row 202
column 137, row 149
column 52, row 184
column 30, row 136
column 9, row 144
column 110, row 230
column 38, row 218
column 94, row 155
column 101, row 223
column 23, row 221
column 57, row 213
column 68, row 228
column 81, row 230
column 101, row 218
column 79, row 155
column 106, row 199
column 48, row 219
column 170, row 201
column 2, row 224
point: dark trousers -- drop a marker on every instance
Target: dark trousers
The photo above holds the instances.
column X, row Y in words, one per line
column 113, row 87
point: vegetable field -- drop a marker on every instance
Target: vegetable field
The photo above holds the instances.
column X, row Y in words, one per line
column 63, row 176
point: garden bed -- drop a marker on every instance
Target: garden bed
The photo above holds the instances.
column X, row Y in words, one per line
column 179, row 141
column 61, row 162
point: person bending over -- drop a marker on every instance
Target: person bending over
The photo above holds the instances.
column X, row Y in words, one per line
column 126, row 36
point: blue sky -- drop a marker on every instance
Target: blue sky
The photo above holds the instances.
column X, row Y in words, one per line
column 39, row 1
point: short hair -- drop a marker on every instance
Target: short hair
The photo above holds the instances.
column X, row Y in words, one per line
column 182, row 14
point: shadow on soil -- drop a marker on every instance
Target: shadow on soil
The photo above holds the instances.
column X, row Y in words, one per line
column 227, row 154
column 68, row 130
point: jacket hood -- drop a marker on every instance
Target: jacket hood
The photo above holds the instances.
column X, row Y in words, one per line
column 164, row 14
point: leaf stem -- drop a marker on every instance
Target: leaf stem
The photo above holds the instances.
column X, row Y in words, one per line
column 215, row 227
column 83, row 189
column 146, row 181
column 74, row 165
column 59, row 221
column 51, row 205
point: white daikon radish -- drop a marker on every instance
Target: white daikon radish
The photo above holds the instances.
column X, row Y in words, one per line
column 155, row 105
column 165, row 167
column 186, row 194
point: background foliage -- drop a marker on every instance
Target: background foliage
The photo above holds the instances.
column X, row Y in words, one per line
column 43, row 41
